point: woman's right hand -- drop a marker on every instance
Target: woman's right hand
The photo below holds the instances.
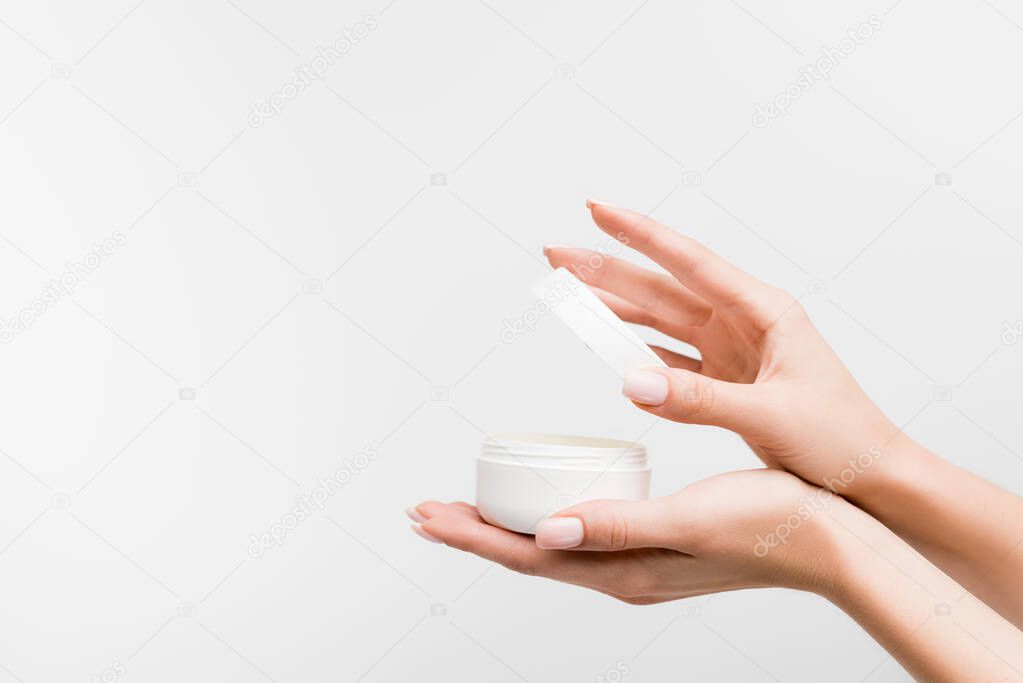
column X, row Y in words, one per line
column 767, row 374
column 764, row 371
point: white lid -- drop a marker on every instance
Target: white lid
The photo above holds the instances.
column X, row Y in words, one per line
column 601, row 330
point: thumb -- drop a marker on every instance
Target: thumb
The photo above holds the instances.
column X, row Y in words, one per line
column 609, row 525
column 685, row 396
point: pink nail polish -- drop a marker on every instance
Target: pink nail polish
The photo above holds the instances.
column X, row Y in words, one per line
column 423, row 533
column 648, row 388
column 415, row 515
column 559, row 533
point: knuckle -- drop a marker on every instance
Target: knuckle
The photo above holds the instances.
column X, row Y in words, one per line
column 643, row 235
column 751, row 300
column 693, row 269
column 656, row 302
column 707, row 399
column 780, row 297
column 698, row 399
column 618, row 531
column 594, row 268
column 651, row 235
column 796, row 312
column 779, row 307
column 786, row 305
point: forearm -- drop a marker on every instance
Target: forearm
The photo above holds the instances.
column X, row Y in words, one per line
column 969, row 527
column 933, row 626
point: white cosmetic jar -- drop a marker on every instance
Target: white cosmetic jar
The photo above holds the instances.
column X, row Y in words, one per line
column 523, row 478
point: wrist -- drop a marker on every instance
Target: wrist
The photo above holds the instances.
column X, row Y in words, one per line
column 835, row 569
column 866, row 560
column 841, row 584
column 930, row 623
column 857, row 552
column 827, row 565
column 887, row 474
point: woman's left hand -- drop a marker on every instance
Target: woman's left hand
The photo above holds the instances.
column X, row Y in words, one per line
column 737, row 530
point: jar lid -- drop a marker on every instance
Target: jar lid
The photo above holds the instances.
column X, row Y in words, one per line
column 601, row 330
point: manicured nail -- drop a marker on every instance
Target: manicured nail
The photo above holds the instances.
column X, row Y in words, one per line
column 548, row 247
column 415, row 515
column 423, row 533
column 590, row 203
column 559, row 533
column 648, row 388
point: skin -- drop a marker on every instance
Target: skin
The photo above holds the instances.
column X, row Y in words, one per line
column 766, row 373
column 702, row 539
column 761, row 358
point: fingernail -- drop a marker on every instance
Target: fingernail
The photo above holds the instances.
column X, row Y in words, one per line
column 559, row 533
column 548, row 247
column 590, row 203
column 648, row 388
column 415, row 515
column 423, row 533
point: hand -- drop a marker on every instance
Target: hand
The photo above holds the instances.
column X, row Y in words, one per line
column 764, row 371
column 750, row 529
column 738, row 530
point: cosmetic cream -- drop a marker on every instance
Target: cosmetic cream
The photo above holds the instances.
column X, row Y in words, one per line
column 524, row 478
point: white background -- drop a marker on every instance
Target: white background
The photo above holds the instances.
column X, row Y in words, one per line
column 127, row 510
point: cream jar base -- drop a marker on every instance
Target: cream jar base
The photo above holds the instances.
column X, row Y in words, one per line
column 520, row 490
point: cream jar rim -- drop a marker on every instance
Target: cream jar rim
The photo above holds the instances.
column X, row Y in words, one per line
column 563, row 441
column 564, row 451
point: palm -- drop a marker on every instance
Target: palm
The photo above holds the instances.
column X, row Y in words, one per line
column 724, row 353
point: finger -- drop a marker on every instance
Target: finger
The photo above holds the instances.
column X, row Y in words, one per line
column 631, row 313
column 698, row 268
column 424, row 510
column 432, row 508
column 514, row 551
column 677, row 360
column 611, row 525
column 684, row 396
column 658, row 293
column 626, row 310
column 622, row 575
